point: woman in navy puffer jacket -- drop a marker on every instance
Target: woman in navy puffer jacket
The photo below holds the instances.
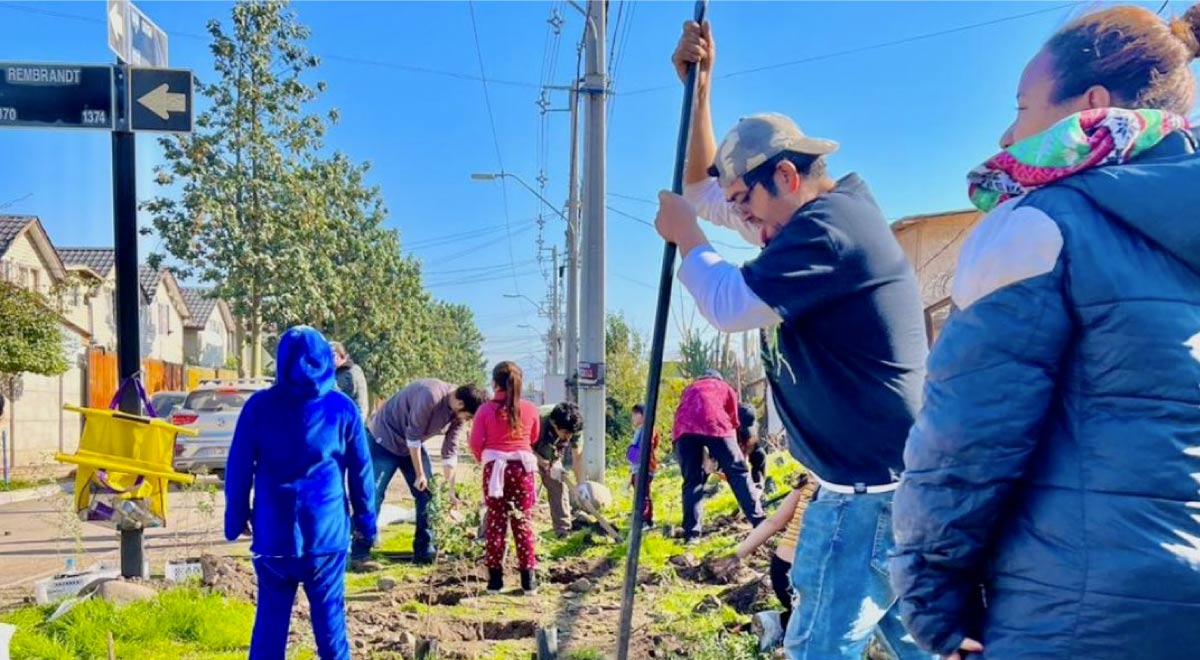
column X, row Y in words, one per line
column 1050, row 506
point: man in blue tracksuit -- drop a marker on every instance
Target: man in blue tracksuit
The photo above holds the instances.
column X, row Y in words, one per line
column 301, row 446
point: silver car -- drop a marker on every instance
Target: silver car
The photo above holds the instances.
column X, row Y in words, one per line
column 212, row 409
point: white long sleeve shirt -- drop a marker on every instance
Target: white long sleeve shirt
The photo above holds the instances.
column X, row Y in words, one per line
column 721, row 293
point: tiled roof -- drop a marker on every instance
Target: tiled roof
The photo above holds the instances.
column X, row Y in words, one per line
column 149, row 278
column 200, row 305
column 10, row 227
column 100, row 260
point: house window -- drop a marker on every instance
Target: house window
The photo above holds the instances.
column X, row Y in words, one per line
column 164, row 318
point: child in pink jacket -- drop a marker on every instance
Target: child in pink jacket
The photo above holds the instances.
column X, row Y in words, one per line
column 502, row 440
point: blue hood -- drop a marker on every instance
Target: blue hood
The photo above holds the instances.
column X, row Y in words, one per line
column 1158, row 195
column 304, row 363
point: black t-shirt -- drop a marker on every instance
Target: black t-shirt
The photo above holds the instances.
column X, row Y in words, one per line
column 847, row 364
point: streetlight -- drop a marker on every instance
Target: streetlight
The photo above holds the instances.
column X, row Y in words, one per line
column 536, row 304
column 492, row 176
column 572, row 329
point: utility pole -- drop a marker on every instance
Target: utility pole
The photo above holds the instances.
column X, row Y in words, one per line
column 572, row 366
column 591, row 349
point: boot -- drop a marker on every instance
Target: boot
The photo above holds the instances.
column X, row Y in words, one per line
column 495, row 580
column 529, row 582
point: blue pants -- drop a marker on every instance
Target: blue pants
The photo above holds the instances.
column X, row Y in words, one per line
column 841, row 581
column 324, row 584
column 727, row 454
column 386, row 464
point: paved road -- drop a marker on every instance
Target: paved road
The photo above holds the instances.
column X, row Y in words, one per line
column 37, row 537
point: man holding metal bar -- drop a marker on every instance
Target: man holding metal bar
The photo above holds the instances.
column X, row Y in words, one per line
column 845, row 352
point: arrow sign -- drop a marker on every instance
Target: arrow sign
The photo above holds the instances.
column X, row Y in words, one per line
column 160, row 100
column 117, row 12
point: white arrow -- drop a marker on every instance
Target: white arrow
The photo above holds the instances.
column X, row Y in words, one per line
column 116, row 20
column 162, row 102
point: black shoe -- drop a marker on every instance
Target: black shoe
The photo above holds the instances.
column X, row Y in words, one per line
column 425, row 560
column 529, row 582
column 495, row 580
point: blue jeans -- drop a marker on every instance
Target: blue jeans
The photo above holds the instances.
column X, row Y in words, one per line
column 843, row 596
column 325, row 586
column 727, row 454
column 386, row 464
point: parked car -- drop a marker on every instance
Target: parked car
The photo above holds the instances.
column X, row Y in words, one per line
column 165, row 403
column 212, row 409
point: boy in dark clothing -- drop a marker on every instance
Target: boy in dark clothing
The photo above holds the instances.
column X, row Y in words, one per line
column 634, row 455
column 558, row 442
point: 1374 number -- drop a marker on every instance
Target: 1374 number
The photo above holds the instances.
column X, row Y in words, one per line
column 94, row 117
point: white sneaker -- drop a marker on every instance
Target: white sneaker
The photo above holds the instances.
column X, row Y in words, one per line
column 767, row 627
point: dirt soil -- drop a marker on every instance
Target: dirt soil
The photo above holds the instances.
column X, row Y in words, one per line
column 580, row 597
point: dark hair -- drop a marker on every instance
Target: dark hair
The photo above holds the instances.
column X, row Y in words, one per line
column 566, row 417
column 507, row 376
column 807, row 165
column 1141, row 60
column 471, row 396
column 639, row 409
column 746, row 419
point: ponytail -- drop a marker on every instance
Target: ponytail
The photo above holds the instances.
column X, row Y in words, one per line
column 507, row 376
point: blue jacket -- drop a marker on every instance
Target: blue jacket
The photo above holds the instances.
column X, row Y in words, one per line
column 302, row 446
column 1053, row 474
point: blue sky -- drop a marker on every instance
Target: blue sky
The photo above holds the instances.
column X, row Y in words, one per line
column 912, row 118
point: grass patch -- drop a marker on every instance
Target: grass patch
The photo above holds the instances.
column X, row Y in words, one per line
column 182, row 623
column 682, row 619
column 586, row 654
column 396, row 539
column 20, row 484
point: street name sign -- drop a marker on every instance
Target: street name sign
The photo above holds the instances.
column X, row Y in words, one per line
column 34, row 95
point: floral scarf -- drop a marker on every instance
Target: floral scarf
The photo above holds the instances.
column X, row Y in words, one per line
column 1092, row 138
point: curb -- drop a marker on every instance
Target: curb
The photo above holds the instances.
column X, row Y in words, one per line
column 29, row 494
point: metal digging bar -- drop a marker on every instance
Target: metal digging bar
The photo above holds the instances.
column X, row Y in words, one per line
column 656, row 361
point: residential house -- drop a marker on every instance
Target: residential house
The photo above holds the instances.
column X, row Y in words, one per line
column 37, row 425
column 95, row 293
column 932, row 243
column 163, row 315
column 209, row 338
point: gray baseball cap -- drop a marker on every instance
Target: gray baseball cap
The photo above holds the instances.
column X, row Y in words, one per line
column 758, row 138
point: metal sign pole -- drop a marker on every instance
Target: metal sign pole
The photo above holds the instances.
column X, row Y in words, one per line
column 129, row 357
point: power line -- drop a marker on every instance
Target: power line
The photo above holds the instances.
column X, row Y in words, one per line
column 870, row 47
column 399, row 66
column 651, row 225
column 487, row 98
column 631, row 198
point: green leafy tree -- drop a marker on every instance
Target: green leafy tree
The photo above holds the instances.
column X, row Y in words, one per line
column 30, row 338
column 458, row 344
column 234, row 222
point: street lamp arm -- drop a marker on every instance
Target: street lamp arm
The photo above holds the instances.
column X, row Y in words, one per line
column 484, row 176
